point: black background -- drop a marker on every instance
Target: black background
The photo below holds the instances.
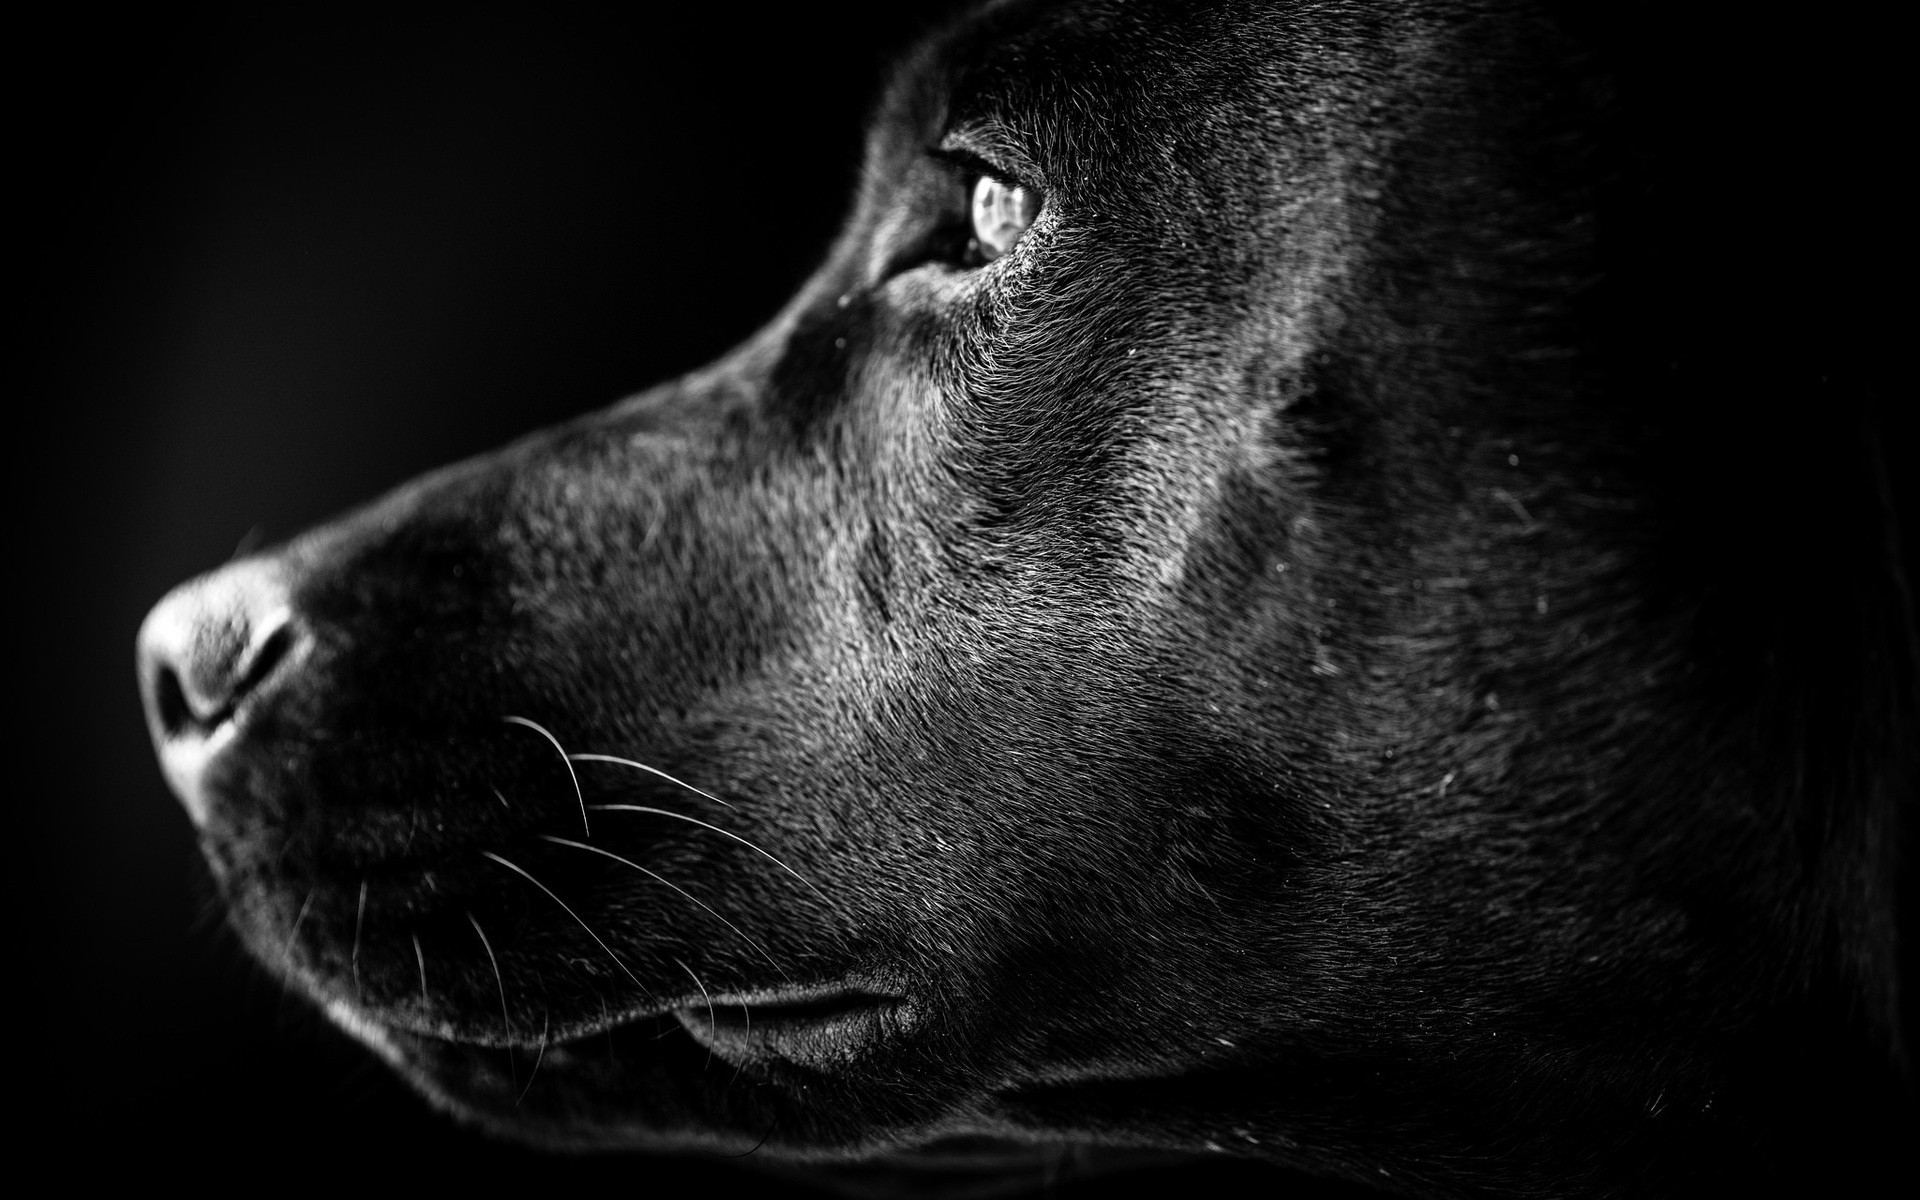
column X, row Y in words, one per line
column 278, row 260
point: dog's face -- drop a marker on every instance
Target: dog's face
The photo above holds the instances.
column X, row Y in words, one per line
column 1158, row 644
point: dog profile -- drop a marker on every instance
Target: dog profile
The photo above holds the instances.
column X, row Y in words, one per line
column 1230, row 616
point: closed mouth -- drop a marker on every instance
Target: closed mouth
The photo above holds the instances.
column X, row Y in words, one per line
column 820, row 1027
column 808, row 1026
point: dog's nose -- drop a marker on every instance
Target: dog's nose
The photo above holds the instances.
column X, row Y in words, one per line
column 206, row 651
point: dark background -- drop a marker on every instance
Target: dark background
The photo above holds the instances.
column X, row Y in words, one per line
column 278, row 260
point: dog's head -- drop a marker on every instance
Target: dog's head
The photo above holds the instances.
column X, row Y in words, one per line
column 1183, row 634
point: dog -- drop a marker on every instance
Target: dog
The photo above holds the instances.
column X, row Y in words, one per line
column 1229, row 616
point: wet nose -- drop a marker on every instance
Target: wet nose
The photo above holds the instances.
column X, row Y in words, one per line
column 205, row 652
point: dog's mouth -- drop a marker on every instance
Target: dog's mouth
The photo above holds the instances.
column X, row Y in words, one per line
column 724, row 1072
column 809, row 1026
column 821, row 1026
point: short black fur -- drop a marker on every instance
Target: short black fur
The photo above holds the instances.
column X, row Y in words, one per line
column 1376, row 638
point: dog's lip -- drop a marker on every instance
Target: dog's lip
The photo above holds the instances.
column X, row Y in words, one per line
column 817, row 1025
column 811, row 1023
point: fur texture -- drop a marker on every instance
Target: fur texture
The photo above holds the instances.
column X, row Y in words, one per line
column 1318, row 653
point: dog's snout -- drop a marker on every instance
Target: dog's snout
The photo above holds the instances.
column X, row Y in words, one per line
column 205, row 652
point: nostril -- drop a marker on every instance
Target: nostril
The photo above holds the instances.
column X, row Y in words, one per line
column 271, row 643
column 170, row 706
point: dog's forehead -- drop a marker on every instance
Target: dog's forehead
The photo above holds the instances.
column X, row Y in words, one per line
column 1107, row 97
column 1075, row 87
column 1075, row 62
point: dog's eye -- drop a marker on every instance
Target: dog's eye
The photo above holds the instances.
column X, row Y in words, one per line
column 1001, row 213
column 980, row 212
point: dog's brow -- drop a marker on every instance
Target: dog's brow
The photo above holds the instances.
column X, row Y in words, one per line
column 992, row 142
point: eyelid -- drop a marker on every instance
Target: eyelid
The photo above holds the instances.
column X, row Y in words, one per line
column 991, row 149
column 969, row 163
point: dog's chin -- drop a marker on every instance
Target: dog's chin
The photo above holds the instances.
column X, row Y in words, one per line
column 651, row 1086
column 681, row 1096
column 639, row 1085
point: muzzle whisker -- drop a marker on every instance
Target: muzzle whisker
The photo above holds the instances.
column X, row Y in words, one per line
column 359, row 920
column 662, row 879
column 763, row 1140
column 499, row 982
column 546, row 1029
column 746, row 1033
column 251, row 540
column 522, row 872
column 642, row 808
column 564, row 757
column 640, row 766
column 420, row 958
column 713, row 1024
column 293, row 931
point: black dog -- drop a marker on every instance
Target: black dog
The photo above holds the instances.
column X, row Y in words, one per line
column 1260, row 601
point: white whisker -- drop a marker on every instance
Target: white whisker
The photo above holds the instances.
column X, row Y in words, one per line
column 546, row 1028
column 713, row 1026
column 499, row 982
column 564, row 757
column 641, row 808
column 569, row 911
column 359, row 919
column 420, row 957
column 249, row 541
column 746, row 1032
column 659, row 878
column 293, row 931
column 640, row 766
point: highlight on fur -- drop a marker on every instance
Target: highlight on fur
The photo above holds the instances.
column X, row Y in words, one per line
column 1274, row 643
